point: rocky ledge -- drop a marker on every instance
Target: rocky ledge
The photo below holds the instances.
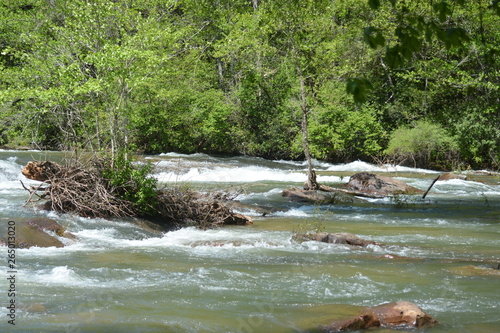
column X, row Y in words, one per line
column 26, row 233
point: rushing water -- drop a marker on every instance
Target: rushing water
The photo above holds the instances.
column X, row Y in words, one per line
column 119, row 277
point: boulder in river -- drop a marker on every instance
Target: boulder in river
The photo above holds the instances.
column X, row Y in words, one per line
column 449, row 176
column 370, row 183
column 400, row 315
column 26, row 233
column 334, row 238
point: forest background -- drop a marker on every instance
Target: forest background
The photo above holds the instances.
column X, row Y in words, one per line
column 411, row 82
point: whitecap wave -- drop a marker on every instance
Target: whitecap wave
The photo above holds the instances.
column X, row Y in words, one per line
column 9, row 170
column 359, row 166
column 61, row 276
column 246, row 174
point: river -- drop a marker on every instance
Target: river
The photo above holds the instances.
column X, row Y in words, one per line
column 119, row 277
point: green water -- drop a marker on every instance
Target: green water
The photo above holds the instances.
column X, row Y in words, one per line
column 119, row 277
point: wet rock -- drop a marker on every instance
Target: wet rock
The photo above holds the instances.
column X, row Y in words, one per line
column 33, row 308
column 471, row 270
column 334, row 238
column 401, row 315
column 449, row 175
column 318, row 196
column 362, row 322
column 379, row 185
column 31, row 232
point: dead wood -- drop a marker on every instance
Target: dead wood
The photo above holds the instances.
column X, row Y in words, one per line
column 429, row 188
column 75, row 189
column 183, row 207
column 325, row 188
column 86, row 192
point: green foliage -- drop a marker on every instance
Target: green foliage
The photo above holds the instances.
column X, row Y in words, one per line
column 479, row 138
column 346, row 134
column 133, row 182
column 423, row 145
column 225, row 76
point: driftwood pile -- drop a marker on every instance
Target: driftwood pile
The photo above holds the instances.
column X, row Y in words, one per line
column 184, row 207
column 74, row 189
column 85, row 192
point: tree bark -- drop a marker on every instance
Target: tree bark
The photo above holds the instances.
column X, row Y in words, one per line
column 311, row 183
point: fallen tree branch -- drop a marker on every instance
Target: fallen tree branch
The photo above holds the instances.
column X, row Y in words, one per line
column 432, row 184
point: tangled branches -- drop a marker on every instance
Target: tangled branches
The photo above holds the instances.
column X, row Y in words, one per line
column 99, row 191
column 183, row 207
column 74, row 189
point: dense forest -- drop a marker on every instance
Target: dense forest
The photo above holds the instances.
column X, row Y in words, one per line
column 415, row 82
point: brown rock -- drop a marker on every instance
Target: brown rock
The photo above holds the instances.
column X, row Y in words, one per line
column 362, row 322
column 379, row 185
column 449, row 175
column 401, row 315
column 27, row 233
column 471, row 270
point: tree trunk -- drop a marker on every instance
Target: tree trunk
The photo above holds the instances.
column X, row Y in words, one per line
column 311, row 183
column 255, row 4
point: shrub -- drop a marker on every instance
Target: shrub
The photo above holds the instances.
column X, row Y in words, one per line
column 132, row 182
column 345, row 134
column 426, row 145
column 478, row 136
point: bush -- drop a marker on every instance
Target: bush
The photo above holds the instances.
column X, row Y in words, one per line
column 426, row 145
column 133, row 183
column 478, row 137
column 346, row 134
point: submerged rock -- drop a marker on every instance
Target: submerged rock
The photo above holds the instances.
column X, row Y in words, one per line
column 401, row 315
column 471, row 270
column 31, row 232
column 334, row 238
column 379, row 185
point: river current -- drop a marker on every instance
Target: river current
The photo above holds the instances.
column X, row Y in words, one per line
column 118, row 277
